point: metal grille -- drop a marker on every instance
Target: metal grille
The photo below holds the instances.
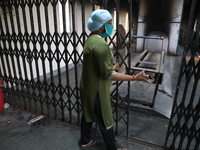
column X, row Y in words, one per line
column 41, row 55
column 38, row 58
column 184, row 125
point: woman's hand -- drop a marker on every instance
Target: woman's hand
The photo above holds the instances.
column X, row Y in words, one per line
column 139, row 77
column 116, row 67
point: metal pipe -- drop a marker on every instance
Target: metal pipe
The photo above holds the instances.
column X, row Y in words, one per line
column 148, row 37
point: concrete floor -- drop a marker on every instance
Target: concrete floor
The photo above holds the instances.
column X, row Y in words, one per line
column 50, row 134
column 146, row 125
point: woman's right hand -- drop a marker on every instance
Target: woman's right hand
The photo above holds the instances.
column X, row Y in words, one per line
column 139, row 77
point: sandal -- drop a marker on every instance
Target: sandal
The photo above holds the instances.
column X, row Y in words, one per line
column 92, row 142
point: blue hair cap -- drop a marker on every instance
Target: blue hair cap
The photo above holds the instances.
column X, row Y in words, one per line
column 97, row 19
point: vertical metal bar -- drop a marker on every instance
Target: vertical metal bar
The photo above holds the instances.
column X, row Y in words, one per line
column 117, row 54
column 69, row 101
column 6, row 38
column 83, row 21
column 65, row 34
column 7, row 50
column 129, row 62
column 55, row 5
column 27, row 38
column 83, row 31
column 33, row 37
column 28, row 52
column 75, row 52
column 13, row 51
column 49, row 52
column 42, row 52
column 2, row 35
column 19, row 39
column 63, row 3
column 23, row 53
column 2, row 45
column 29, row 55
column 2, row 38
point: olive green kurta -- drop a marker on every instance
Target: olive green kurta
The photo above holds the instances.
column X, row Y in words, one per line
column 96, row 74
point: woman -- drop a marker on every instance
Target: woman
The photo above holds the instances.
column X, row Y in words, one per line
column 97, row 75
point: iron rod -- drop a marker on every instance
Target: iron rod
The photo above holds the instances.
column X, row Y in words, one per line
column 148, row 37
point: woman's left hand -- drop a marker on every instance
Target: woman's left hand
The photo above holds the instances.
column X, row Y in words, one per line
column 116, row 67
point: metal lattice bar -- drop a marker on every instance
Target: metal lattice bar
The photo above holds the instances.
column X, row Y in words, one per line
column 40, row 56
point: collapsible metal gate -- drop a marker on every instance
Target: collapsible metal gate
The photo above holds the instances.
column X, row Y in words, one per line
column 184, row 125
column 41, row 45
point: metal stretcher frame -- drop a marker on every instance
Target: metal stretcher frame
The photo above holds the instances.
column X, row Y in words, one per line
column 158, row 69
